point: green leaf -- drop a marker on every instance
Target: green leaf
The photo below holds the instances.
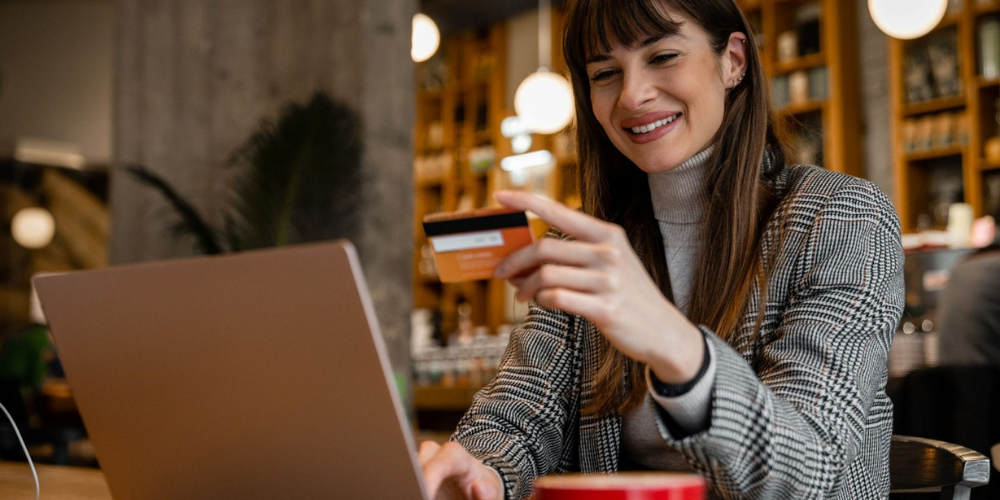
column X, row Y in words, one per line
column 191, row 222
column 302, row 176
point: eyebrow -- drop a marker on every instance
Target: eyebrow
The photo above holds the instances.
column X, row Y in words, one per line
column 645, row 43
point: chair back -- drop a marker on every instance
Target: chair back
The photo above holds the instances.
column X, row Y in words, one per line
column 919, row 465
column 955, row 404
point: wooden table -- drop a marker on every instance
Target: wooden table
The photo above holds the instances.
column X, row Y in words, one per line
column 57, row 483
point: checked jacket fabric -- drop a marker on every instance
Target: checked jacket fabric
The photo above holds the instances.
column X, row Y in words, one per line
column 797, row 412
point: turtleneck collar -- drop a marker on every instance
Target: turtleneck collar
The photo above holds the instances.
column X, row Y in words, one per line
column 679, row 193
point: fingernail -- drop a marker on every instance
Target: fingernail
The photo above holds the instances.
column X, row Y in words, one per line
column 500, row 271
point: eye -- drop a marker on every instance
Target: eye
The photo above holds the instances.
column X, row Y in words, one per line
column 602, row 75
column 663, row 58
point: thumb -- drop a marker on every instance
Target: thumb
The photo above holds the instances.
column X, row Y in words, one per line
column 485, row 490
column 427, row 451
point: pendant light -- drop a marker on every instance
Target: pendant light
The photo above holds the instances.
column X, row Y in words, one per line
column 907, row 19
column 33, row 227
column 544, row 100
column 425, row 38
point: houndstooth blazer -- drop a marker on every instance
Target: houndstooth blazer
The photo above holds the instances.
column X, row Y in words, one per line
column 800, row 412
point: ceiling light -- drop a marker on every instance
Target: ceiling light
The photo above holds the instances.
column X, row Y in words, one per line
column 907, row 19
column 544, row 100
column 33, row 227
column 426, row 38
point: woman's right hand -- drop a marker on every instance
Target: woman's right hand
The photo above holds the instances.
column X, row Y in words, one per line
column 451, row 473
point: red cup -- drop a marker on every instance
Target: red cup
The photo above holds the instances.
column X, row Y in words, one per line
column 622, row 486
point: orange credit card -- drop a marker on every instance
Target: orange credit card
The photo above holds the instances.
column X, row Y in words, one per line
column 469, row 245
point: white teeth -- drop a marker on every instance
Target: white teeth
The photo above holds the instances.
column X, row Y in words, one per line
column 644, row 129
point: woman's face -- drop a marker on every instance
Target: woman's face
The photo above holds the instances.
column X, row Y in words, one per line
column 662, row 100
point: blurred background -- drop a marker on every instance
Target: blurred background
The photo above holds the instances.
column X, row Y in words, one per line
column 141, row 130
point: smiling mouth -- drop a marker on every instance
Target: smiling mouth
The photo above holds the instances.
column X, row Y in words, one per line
column 645, row 129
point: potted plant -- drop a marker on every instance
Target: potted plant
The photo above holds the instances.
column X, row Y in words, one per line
column 298, row 181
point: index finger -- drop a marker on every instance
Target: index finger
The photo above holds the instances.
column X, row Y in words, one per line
column 576, row 224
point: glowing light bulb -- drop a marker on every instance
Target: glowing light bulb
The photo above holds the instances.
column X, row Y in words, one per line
column 907, row 19
column 33, row 227
column 544, row 102
column 426, row 38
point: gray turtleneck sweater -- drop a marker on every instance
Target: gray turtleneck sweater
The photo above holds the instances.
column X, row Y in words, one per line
column 679, row 205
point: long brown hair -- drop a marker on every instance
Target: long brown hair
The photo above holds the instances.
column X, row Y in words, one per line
column 739, row 191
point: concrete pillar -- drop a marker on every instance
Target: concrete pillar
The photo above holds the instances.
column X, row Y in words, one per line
column 193, row 79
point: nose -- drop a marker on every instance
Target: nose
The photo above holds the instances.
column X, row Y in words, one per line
column 637, row 89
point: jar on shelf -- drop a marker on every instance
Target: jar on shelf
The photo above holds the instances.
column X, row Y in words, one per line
column 989, row 47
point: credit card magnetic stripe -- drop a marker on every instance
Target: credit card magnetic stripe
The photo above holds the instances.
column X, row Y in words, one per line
column 468, row 225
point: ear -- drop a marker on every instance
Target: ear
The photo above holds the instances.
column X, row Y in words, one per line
column 734, row 60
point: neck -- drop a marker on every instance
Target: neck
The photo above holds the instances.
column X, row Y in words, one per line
column 679, row 193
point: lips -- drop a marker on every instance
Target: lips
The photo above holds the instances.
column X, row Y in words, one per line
column 650, row 126
column 646, row 119
column 645, row 129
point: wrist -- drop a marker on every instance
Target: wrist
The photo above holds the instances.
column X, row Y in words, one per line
column 681, row 361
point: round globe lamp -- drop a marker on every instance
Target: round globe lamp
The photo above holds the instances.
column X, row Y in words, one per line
column 33, row 227
column 907, row 19
column 544, row 102
column 425, row 38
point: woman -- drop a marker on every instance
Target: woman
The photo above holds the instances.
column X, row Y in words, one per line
column 711, row 309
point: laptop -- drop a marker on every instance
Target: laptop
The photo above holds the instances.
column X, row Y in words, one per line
column 259, row 375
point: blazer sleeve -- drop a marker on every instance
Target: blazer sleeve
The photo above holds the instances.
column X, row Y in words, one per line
column 522, row 422
column 792, row 428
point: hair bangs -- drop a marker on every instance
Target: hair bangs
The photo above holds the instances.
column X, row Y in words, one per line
column 628, row 22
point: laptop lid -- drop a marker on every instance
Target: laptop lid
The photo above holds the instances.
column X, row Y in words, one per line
column 258, row 375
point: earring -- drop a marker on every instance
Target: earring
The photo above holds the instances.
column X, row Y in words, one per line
column 741, row 78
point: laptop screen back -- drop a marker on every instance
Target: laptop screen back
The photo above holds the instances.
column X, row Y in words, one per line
column 259, row 375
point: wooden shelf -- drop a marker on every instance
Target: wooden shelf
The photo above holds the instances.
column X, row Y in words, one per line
column 839, row 124
column 431, row 95
column 466, row 112
column 443, row 398
column 917, row 174
column 430, row 150
column 934, row 106
column 988, row 165
column 803, row 108
column 987, row 82
column 800, row 63
column 935, row 154
column 474, row 84
column 429, row 184
column 986, row 8
column 483, row 138
column 950, row 19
